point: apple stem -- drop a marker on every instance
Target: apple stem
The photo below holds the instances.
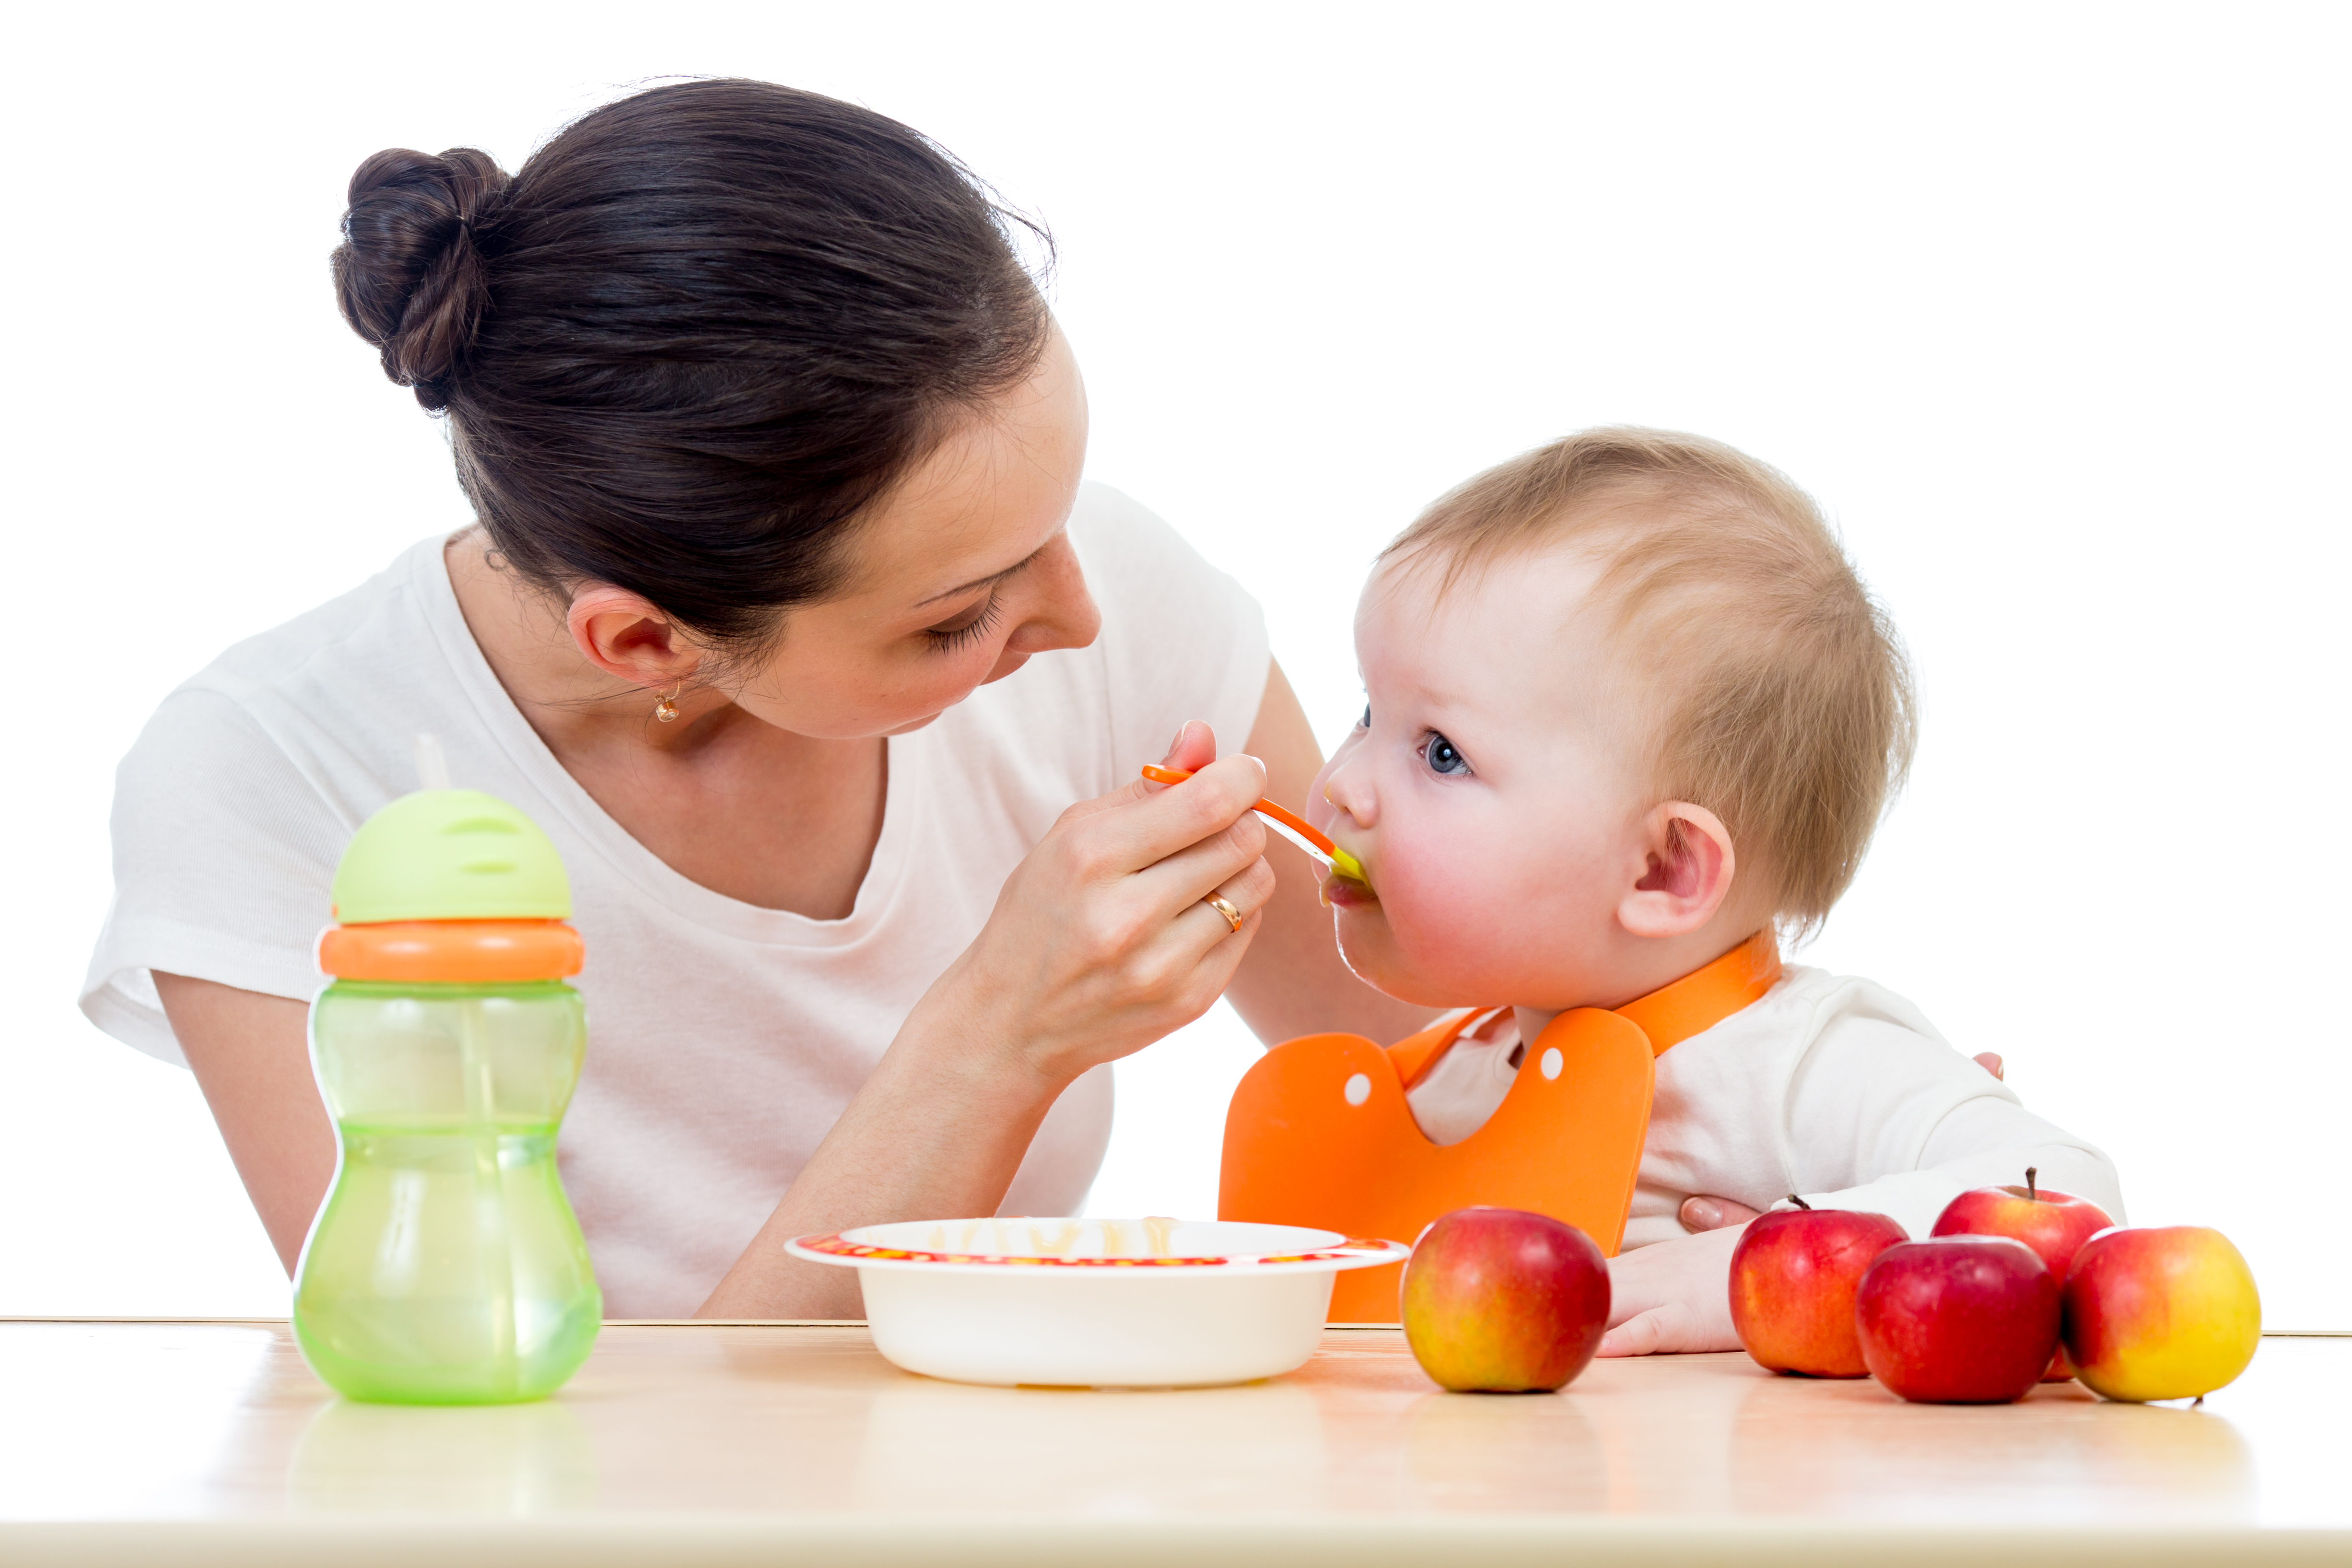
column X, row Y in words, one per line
column 1801, row 1203
column 2030, row 1193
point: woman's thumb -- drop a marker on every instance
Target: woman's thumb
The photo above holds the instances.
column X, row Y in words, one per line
column 1194, row 747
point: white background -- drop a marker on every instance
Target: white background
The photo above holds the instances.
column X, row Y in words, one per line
column 2047, row 305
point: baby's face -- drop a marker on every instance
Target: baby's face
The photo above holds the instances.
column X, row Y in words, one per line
column 1497, row 795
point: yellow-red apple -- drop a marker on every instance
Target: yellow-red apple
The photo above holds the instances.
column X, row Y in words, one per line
column 1503, row 1301
column 1793, row 1278
column 2160, row 1313
column 2052, row 1223
column 1959, row 1319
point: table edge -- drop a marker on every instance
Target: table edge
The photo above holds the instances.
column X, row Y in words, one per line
column 377, row 1540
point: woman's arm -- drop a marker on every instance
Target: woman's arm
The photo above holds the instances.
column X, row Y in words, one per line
column 1099, row 945
column 1095, row 950
column 251, row 1055
column 1293, row 981
column 941, row 1125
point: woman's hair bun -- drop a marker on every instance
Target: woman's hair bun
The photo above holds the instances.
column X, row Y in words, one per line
column 410, row 273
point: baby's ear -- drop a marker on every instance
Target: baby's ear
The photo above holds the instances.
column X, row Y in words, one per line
column 1687, row 871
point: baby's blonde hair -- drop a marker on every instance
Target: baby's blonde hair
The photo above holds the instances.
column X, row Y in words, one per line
column 1781, row 695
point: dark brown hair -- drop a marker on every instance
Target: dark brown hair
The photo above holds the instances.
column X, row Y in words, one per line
column 697, row 332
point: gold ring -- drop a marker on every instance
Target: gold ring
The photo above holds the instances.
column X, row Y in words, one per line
column 1224, row 907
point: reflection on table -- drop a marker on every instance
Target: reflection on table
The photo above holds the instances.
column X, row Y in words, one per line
column 805, row 1425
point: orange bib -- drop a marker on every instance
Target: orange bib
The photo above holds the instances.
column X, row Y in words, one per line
column 1318, row 1133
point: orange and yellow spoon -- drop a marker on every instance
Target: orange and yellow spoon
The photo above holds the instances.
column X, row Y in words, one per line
column 1289, row 824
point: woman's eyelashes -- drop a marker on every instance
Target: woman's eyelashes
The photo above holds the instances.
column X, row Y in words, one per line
column 967, row 628
column 980, row 619
column 1440, row 754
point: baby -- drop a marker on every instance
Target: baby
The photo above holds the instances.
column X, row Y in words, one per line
column 1629, row 707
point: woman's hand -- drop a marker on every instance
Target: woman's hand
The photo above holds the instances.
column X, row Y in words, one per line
column 1099, row 945
column 1101, row 941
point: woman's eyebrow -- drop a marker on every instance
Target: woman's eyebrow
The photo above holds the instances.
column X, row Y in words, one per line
column 983, row 582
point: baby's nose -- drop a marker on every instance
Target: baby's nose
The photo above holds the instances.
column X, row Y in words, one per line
column 1342, row 792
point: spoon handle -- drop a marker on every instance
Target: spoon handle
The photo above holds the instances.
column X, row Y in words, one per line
column 1288, row 824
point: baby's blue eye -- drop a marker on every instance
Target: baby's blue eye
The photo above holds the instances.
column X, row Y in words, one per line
column 1366, row 722
column 1441, row 756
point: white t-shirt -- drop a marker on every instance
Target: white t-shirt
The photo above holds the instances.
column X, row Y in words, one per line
column 724, row 1039
column 1826, row 1086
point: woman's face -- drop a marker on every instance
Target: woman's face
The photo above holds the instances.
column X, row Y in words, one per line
column 956, row 576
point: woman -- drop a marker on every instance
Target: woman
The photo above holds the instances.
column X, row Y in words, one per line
column 775, row 450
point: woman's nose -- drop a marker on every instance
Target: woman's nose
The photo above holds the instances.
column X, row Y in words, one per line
column 1063, row 614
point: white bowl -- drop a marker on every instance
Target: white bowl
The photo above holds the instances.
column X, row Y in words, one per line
column 1096, row 1302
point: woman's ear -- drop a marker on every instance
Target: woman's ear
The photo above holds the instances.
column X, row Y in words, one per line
column 1688, row 870
column 624, row 636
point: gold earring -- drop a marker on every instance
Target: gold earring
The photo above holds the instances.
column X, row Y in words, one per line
column 666, row 709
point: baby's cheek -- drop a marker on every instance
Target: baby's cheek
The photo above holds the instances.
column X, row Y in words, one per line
column 1503, row 936
column 1382, row 942
column 1443, row 924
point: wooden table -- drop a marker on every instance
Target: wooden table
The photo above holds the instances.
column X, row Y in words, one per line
column 211, row 1443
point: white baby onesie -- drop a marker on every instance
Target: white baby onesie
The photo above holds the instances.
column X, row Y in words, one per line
column 1827, row 1086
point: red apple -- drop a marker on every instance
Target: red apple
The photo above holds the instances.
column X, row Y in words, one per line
column 2160, row 1313
column 2052, row 1223
column 1793, row 1278
column 1503, row 1301
column 1959, row 1319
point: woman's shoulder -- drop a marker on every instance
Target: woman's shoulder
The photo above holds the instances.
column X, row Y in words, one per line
column 335, row 695
column 235, row 802
column 385, row 607
column 1178, row 633
column 1144, row 571
column 291, row 735
column 1112, row 528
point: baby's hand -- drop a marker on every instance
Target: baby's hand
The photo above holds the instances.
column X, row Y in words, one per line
column 1672, row 1296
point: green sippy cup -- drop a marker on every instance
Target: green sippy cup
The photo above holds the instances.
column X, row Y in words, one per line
column 446, row 1267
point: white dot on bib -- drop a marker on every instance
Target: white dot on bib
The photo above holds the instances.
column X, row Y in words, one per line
column 1552, row 1061
column 1358, row 1089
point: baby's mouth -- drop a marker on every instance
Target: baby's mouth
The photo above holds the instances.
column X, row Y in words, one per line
column 1339, row 892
